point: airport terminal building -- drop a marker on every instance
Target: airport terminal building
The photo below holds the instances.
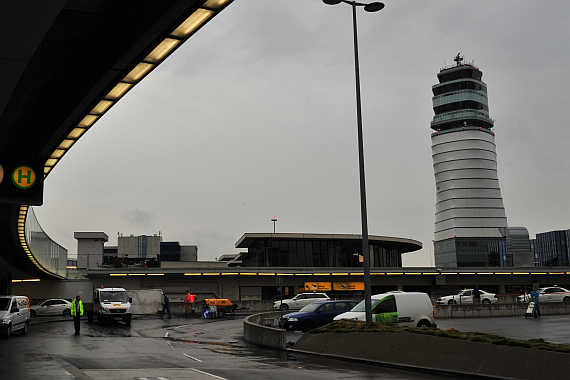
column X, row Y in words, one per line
column 321, row 250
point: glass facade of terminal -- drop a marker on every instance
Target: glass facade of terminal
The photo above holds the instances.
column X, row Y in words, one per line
column 471, row 252
column 551, row 248
column 318, row 253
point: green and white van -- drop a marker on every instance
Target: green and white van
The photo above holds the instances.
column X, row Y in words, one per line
column 404, row 308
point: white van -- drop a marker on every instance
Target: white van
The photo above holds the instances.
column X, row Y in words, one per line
column 404, row 308
column 14, row 314
column 110, row 304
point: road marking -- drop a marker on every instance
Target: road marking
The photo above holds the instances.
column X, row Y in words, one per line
column 206, row 373
column 188, row 356
column 178, row 327
column 170, row 344
column 166, row 336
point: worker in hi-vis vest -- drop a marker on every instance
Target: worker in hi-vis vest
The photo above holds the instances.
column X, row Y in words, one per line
column 77, row 312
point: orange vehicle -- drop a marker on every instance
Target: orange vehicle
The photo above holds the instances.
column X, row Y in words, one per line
column 223, row 306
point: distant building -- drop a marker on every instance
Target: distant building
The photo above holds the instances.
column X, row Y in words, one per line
column 552, row 248
column 470, row 222
column 320, row 250
column 90, row 249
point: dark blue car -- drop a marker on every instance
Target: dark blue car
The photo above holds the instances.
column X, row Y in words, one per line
column 314, row 315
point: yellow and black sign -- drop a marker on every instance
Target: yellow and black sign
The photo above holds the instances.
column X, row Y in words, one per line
column 317, row 286
column 22, row 181
column 348, row 286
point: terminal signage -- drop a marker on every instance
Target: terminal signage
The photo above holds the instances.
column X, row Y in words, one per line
column 22, row 181
column 317, row 286
column 348, row 286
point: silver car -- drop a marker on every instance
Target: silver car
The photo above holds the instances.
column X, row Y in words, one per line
column 55, row 306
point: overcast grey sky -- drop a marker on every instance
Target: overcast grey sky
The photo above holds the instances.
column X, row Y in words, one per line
column 255, row 116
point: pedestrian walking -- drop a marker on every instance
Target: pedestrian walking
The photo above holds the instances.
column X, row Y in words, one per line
column 77, row 312
column 476, row 295
column 535, row 297
column 189, row 303
column 165, row 305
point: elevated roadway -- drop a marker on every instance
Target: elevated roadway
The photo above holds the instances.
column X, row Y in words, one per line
column 63, row 65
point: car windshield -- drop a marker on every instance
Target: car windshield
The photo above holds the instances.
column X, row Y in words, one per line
column 42, row 303
column 310, row 308
column 114, row 296
column 4, row 303
column 362, row 308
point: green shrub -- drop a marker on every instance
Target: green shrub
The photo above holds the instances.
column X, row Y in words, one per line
column 346, row 326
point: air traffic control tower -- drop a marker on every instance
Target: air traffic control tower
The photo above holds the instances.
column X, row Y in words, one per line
column 470, row 221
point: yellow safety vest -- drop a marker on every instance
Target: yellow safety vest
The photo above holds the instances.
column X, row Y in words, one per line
column 73, row 308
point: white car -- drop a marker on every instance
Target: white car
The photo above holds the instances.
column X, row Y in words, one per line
column 548, row 294
column 55, row 306
column 466, row 296
column 300, row 300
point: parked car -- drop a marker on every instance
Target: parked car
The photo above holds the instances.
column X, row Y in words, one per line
column 466, row 296
column 404, row 308
column 14, row 315
column 56, row 306
column 316, row 314
column 300, row 300
column 548, row 294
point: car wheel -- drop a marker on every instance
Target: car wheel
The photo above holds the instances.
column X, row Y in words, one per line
column 8, row 332
column 566, row 299
column 100, row 320
column 451, row 302
column 24, row 330
column 486, row 300
column 221, row 313
column 66, row 313
column 32, row 313
column 284, row 307
column 423, row 324
column 307, row 325
column 128, row 322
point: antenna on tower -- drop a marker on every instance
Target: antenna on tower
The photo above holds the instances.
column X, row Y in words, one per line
column 458, row 58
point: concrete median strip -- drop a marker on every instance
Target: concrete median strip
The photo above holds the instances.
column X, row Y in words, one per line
column 437, row 354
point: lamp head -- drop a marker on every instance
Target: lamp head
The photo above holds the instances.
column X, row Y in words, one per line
column 374, row 7
column 331, row 2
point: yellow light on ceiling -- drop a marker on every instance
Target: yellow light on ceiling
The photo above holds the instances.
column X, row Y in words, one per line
column 51, row 162
column 87, row 121
column 118, row 91
column 117, row 274
column 192, row 274
column 76, row 133
column 66, row 144
column 138, row 72
column 155, row 274
column 162, row 50
column 192, row 23
column 57, row 153
column 101, row 107
column 215, row 4
column 229, row 274
column 394, row 274
column 357, row 274
column 248, row 274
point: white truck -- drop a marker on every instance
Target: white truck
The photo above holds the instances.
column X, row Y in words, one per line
column 110, row 304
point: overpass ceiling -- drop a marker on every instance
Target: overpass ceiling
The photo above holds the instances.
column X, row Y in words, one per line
column 59, row 58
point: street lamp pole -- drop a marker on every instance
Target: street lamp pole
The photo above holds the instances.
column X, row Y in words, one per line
column 371, row 7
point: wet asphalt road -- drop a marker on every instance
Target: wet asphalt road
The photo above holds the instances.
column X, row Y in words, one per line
column 191, row 348
column 177, row 348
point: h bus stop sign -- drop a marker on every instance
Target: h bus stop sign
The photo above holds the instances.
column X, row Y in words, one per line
column 22, row 181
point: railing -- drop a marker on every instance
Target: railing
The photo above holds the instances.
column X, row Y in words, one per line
column 50, row 255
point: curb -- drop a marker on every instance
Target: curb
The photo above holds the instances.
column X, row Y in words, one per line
column 401, row 367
